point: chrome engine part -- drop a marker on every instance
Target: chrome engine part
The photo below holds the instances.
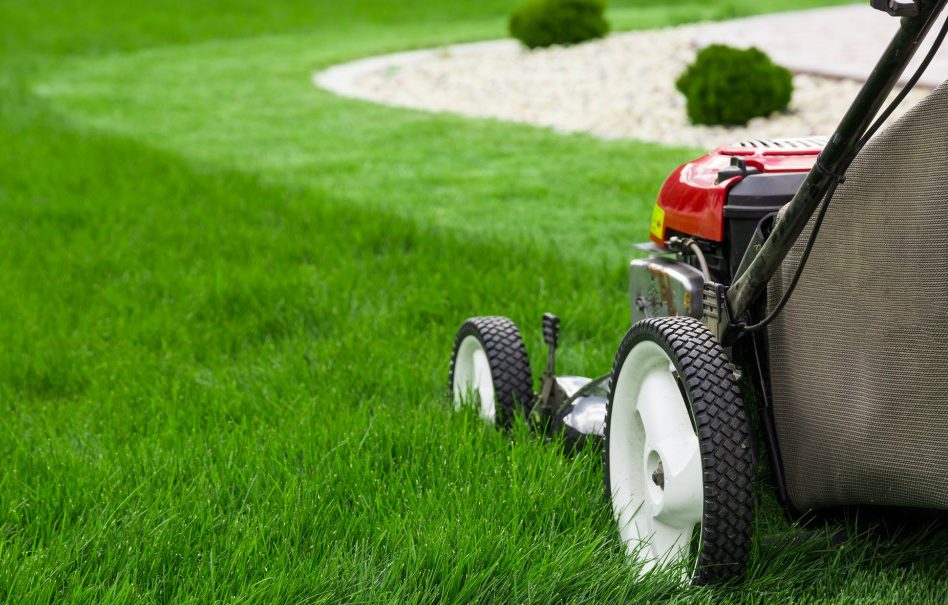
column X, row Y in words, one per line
column 662, row 287
column 587, row 414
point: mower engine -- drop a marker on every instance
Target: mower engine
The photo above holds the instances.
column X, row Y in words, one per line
column 706, row 215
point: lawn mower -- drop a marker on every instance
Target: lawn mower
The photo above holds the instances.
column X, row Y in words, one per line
column 840, row 339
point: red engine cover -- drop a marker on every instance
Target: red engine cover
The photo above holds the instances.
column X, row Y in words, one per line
column 692, row 200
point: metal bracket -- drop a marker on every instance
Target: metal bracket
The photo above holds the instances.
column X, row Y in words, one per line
column 897, row 8
column 714, row 307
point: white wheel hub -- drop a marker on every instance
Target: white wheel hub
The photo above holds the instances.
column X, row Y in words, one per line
column 473, row 383
column 654, row 461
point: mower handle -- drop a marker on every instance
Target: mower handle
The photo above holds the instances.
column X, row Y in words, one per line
column 831, row 164
column 896, row 8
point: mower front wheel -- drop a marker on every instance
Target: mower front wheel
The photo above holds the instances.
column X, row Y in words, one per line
column 490, row 369
column 679, row 469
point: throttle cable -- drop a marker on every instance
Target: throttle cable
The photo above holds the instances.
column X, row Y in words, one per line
column 828, row 197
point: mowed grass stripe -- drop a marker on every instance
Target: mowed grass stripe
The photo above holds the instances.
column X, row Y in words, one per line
column 198, row 404
column 250, row 105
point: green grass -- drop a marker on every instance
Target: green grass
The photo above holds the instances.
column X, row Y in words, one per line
column 227, row 304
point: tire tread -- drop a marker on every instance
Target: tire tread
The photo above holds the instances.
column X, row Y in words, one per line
column 723, row 431
column 509, row 363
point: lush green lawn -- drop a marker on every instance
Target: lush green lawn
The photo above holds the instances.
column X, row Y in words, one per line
column 227, row 304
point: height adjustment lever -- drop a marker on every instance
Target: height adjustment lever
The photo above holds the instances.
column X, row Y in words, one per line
column 550, row 395
column 897, row 8
column 551, row 329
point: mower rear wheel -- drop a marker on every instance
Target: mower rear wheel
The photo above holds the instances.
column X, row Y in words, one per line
column 490, row 369
column 679, row 469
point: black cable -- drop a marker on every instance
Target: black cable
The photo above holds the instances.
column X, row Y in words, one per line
column 922, row 68
column 885, row 115
column 803, row 258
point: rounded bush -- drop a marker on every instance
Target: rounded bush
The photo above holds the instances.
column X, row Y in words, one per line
column 729, row 86
column 541, row 23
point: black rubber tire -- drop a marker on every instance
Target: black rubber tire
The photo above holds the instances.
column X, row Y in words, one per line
column 707, row 379
column 509, row 364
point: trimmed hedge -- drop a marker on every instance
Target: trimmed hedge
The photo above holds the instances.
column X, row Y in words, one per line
column 729, row 86
column 540, row 23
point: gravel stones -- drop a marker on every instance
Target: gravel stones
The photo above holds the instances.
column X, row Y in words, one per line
column 622, row 86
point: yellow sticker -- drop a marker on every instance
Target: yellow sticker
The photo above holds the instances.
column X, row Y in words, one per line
column 658, row 223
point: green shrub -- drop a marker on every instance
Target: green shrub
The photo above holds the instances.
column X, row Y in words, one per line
column 547, row 22
column 729, row 86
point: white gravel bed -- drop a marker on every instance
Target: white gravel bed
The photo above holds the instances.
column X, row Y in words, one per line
column 620, row 87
